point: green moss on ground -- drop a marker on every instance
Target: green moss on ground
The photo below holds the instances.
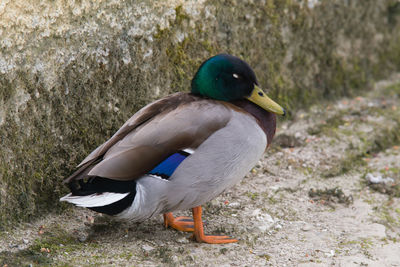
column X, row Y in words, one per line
column 46, row 248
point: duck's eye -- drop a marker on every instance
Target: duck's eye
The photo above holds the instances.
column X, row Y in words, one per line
column 260, row 94
column 236, row 76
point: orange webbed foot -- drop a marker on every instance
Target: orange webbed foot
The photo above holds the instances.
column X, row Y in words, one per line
column 214, row 239
column 199, row 235
column 181, row 223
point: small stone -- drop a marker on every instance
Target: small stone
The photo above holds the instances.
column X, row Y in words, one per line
column 182, row 240
column 147, row 248
column 331, row 253
column 256, row 212
column 26, row 241
column 268, row 218
column 262, row 227
column 83, row 237
column 274, row 188
column 234, row 205
column 307, row 227
column 214, row 202
column 265, row 223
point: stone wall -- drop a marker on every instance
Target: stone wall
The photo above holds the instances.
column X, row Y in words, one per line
column 71, row 72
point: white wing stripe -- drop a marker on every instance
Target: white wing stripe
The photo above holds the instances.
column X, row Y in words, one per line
column 188, row 150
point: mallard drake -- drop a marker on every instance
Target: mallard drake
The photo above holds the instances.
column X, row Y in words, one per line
column 181, row 151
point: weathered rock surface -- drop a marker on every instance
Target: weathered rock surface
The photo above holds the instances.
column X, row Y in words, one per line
column 71, row 72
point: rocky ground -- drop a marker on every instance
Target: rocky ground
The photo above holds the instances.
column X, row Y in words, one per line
column 309, row 202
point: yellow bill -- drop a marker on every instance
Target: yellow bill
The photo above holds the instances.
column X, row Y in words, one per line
column 261, row 99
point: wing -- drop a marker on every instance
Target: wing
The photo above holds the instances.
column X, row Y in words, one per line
column 154, row 133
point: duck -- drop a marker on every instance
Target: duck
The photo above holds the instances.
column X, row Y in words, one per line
column 181, row 151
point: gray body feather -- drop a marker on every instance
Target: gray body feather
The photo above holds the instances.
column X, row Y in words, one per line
column 217, row 164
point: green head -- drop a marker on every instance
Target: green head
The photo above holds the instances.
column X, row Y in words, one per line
column 224, row 77
column 228, row 78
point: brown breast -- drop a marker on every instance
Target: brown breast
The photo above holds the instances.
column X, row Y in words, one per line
column 265, row 119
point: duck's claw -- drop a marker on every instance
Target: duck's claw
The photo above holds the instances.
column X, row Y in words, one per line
column 181, row 223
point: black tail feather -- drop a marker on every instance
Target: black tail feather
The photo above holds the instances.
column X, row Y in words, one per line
column 95, row 185
column 116, row 207
column 98, row 185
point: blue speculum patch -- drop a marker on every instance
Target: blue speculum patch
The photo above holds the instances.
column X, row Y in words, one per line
column 166, row 168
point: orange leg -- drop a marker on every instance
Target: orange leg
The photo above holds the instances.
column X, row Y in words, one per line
column 199, row 231
column 181, row 223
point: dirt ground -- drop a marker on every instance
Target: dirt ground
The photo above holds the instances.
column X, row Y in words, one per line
column 308, row 202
